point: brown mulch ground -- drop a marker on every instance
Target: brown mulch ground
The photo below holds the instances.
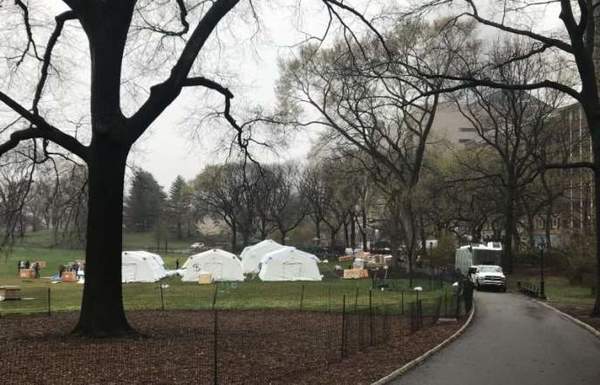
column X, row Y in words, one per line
column 580, row 312
column 253, row 347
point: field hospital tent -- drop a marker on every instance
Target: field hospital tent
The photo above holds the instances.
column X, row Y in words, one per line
column 222, row 265
column 141, row 266
column 252, row 255
column 289, row 264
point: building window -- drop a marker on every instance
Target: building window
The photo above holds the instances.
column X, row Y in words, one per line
column 555, row 222
column 539, row 223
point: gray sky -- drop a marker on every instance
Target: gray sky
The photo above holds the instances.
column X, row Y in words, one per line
column 173, row 146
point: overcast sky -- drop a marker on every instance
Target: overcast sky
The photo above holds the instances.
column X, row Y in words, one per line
column 173, row 145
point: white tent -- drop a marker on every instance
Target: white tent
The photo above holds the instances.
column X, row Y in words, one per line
column 289, row 264
column 223, row 266
column 252, row 255
column 141, row 266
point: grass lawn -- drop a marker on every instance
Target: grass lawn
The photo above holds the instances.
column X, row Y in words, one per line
column 254, row 294
column 558, row 290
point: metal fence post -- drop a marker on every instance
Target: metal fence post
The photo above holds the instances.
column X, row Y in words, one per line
column 457, row 304
column 371, row 317
column 49, row 303
column 343, row 349
column 356, row 300
column 215, row 346
column 214, row 300
column 329, row 300
column 162, row 298
column 446, row 303
column 402, row 309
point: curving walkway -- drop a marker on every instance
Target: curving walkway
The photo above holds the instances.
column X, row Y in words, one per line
column 513, row 341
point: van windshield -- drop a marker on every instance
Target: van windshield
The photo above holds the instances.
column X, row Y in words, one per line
column 490, row 269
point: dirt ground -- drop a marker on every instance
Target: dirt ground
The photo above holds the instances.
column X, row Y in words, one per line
column 253, row 347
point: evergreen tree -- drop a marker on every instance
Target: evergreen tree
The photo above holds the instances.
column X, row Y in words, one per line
column 179, row 205
column 144, row 203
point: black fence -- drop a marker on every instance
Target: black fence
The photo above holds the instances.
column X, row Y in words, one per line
column 214, row 346
column 530, row 289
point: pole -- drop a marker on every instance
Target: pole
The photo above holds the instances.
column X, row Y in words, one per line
column 356, row 300
column 371, row 317
column 215, row 345
column 162, row 298
column 402, row 309
column 542, row 283
column 214, row 301
column 343, row 349
column 49, row 303
column 302, row 298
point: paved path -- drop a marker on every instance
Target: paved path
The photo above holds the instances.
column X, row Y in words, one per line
column 513, row 341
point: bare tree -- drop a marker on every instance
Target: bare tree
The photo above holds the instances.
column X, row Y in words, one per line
column 108, row 26
column 575, row 43
column 366, row 103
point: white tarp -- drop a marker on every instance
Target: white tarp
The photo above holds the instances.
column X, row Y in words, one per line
column 252, row 255
column 289, row 264
column 141, row 266
column 223, row 266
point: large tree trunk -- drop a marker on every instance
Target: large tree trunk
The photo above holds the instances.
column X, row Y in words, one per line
column 509, row 230
column 363, row 230
column 102, row 312
column 353, row 232
column 596, row 309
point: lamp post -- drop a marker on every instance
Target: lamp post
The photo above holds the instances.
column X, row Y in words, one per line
column 541, row 246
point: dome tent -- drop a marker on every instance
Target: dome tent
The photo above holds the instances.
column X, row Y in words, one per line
column 289, row 264
column 252, row 255
column 141, row 266
column 223, row 266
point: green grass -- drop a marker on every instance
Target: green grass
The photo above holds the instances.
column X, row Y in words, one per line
column 558, row 289
column 255, row 294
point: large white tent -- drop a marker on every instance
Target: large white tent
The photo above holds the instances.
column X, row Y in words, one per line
column 222, row 265
column 252, row 255
column 289, row 264
column 141, row 266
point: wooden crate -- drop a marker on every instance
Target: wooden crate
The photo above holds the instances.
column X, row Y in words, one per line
column 10, row 293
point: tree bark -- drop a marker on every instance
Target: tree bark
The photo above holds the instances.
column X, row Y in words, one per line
column 363, row 230
column 102, row 312
column 596, row 309
column 509, row 230
column 353, row 232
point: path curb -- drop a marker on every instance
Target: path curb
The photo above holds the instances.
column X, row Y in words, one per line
column 419, row 360
column 580, row 323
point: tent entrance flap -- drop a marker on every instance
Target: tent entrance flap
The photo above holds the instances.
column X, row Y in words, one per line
column 216, row 269
column 292, row 270
column 128, row 272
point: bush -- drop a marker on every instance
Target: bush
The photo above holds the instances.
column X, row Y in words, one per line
column 579, row 257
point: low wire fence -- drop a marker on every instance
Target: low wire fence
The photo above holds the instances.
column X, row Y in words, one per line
column 217, row 345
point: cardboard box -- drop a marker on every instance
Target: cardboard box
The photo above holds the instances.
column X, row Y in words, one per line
column 346, row 258
column 26, row 273
column 69, row 276
column 356, row 273
column 205, row 278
